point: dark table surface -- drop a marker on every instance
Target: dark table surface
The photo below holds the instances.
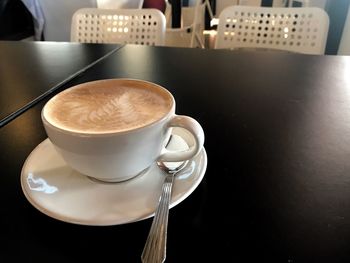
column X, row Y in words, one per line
column 28, row 70
column 277, row 185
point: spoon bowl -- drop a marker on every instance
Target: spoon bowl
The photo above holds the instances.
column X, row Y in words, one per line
column 171, row 167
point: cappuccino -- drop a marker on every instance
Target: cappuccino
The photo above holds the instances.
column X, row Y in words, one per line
column 114, row 129
column 107, row 106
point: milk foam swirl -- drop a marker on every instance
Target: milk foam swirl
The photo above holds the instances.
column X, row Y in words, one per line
column 107, row 106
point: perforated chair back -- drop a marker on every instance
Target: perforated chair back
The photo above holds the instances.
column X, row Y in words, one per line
column 302, row 30
column 124, row 26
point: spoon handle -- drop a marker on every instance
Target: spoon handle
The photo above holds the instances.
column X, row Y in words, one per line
column 155, row 247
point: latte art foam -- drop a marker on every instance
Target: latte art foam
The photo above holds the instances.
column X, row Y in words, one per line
column 108, row 106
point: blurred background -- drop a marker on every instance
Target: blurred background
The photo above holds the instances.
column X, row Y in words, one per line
column 20, row 19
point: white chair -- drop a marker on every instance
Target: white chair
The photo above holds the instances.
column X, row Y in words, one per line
column 190, row 34
column 132, row 26
column 116, row 4
column 302, row 29
column 222, row 4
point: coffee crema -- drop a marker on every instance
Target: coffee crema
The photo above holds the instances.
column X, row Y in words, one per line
column 108, row 106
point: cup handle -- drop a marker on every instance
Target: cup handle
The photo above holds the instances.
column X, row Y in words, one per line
column 195, row 129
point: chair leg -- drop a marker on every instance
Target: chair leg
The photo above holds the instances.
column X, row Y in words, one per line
column 199, row 40
column 210, row 11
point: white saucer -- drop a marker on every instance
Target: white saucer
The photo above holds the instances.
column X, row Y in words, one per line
column 62, row 193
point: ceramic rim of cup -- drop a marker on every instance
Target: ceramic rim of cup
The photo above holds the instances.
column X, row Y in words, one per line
column 109, row 133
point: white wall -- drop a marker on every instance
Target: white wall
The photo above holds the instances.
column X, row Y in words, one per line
column 250, row 2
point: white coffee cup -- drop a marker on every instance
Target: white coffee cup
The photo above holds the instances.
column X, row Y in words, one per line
column 114, row 129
